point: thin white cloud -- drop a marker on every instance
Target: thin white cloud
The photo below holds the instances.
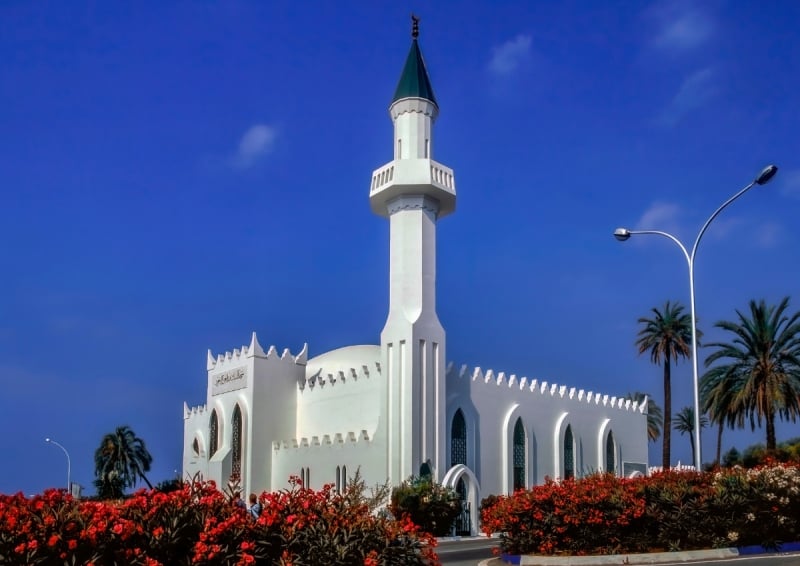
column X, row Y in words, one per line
column 790, row 183
column 681, row 26
column 256, row 142
column 508, row 57
column 660, row 216
column 695, row 91
column 768, row 235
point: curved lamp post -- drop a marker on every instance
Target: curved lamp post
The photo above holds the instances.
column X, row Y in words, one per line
column 69, row 483
column 623, row 234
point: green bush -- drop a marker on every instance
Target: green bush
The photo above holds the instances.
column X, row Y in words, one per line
column 427, row 504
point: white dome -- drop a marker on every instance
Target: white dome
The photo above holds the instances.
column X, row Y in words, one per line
column 342, row 359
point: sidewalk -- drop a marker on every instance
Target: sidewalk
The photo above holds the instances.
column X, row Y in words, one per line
column 651, row 558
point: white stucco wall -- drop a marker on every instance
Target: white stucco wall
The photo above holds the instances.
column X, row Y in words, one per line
column 491, row 404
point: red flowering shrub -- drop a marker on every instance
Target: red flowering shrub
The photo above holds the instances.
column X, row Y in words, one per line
column 198, row 525
column 602, row 514
column 592, row 515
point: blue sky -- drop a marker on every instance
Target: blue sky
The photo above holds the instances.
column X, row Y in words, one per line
column 175, row 175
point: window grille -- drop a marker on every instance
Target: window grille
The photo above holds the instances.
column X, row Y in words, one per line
column 236, row 442
column 611, row 461
column 519, row 455
column 569, row 454
column 213, row 434
column 458, row 440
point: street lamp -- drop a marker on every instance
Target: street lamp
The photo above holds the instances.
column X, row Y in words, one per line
column 623, row 234
column 69, row 484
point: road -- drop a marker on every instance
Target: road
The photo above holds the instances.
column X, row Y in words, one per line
column 465, row 552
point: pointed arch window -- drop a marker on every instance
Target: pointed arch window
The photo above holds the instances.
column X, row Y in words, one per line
column 196, row 448
column 611, row 460
column 458, row 440
column 519, row 455
column 569, row 453
column 236, row 442
column 213, row 434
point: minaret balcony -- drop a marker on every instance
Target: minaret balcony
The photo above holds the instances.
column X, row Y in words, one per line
column 413, row 177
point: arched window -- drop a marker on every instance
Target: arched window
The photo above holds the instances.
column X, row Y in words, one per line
column 458, row 440
column 213, row 434
column 569, row 454
column 611, row 461
column 236, row 442
column 338, row 479
column 195, row 448
column 344, row 477
column 519, row 455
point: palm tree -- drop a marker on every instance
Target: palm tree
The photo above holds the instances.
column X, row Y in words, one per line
column 762, row 365
column 717, row 397
column 684, row 423
column 667, row 337
column 655, row 417
column 119, row 461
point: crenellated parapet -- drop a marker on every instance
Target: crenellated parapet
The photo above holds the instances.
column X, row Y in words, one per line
column 543, row 388
column 322, row 379
column 193, row 412
column 254, row 350
column 329, row 440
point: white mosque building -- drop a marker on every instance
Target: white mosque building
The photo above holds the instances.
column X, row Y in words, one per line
column 397, row 409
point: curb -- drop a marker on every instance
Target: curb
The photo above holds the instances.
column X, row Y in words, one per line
column 649, row 558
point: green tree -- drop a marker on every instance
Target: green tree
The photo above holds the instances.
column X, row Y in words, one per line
column 119, row 461
column 428, row 504
column 761, row 365
column 655, row 418
column 718, row 399
column 667, row 336
column 732, row 458
column 684, row 423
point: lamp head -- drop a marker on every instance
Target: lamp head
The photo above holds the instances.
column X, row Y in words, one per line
column 766, row 174
column 622, row 234
column 47, row 440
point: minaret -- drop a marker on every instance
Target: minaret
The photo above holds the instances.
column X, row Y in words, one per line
column 413, row 191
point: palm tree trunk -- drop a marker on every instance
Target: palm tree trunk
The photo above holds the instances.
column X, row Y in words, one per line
column 144, row 477
column 719, row 444
column 770, row 418
column 691, row 442
column 665, row 454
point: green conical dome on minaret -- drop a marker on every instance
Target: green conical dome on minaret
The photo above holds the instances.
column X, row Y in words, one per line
column 414, row 82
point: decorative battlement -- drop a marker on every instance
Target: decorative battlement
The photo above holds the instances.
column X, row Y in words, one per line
column 544, row 388
column 189, row 412
column 254, row 350
column 321, row 378
column 326, row 440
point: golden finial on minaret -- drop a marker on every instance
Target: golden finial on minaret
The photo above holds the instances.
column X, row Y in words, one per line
column 414, row 26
